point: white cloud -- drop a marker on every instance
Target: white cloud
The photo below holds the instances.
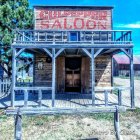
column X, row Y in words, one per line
column 132, row 25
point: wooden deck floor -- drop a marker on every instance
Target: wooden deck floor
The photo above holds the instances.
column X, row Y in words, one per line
column 67, row 100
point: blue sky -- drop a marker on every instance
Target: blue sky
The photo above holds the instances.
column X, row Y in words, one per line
column 125, row 16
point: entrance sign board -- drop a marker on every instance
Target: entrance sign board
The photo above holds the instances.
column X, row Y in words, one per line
column 72, row 19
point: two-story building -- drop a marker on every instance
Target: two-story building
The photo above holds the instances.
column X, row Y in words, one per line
column 73, row 48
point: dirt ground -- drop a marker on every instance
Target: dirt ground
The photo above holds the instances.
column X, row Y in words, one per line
column 99, row 126
column 126, row 94
column 82, row 127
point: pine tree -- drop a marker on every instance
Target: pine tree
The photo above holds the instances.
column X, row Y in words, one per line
column 14, row 14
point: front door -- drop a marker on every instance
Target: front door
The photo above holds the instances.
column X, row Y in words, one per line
column 73, row 74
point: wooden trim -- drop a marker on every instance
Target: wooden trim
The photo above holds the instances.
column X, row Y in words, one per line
column 73, row 46
column 54, row 111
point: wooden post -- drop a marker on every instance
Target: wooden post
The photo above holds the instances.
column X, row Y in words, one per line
column 116, row 124
column 112, row 71
column 106, row 97
column 18, row 126
column 53, row 77
column 25, row 98
column 119, row 97
column 40, row 97
column 132, row 80
column 13, row 77
column 92, row 77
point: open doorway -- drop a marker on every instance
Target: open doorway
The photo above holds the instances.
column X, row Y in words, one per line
column 72, row 74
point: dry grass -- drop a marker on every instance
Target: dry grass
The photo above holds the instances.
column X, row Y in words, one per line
column 73, row 127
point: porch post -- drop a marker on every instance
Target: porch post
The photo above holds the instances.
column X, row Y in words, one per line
column 112, row 75
column 13, row 77
column 132, row 80
column 92, row 77
column 53, row 77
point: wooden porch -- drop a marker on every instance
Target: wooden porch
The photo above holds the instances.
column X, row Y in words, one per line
column 66, row 100
column 92, row 43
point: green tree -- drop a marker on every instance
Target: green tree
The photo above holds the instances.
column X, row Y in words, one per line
column 14, row 14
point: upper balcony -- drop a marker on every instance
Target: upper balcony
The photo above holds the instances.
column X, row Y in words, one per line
column 73, row 39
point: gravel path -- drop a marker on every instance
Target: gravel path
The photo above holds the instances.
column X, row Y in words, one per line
column 126, row 94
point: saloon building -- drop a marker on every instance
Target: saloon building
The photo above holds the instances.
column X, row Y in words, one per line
column 73, row 49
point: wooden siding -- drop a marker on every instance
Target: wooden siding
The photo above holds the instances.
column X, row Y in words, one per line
column 85, row 75
column 72, row 18
column 42, row 77
column 102, row 73
column 60, row 67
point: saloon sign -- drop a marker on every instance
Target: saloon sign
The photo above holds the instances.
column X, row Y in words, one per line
column 72, row 19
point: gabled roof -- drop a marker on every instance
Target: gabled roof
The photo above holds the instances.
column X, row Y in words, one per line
column 123, row 59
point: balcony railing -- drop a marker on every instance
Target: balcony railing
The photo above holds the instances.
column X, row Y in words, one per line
column 72, row 37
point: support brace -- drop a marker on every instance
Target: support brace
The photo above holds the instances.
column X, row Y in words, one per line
column 87, row 52
column 98, row 52
column 48, row 52
column 19, row 52
column 123, row 50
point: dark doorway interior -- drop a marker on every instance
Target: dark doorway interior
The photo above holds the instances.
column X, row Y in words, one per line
column 73, row 74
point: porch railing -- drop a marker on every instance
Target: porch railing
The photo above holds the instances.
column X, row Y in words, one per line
column 72, row 37
column 5, row 86
column 106, row 91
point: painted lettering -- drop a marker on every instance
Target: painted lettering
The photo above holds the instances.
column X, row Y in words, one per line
column 78, row 23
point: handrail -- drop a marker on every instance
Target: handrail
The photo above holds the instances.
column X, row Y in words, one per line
column 65, row 36
column 44, row 30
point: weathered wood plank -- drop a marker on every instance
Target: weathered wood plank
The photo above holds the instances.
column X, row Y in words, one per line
column 51, row 111
column 40, row 98
column 25, row 98
column 53, row 76
column 18, row 126
column 92, row 77
column 13, row 77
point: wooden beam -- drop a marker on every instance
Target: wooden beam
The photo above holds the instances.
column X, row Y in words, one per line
column 77, row 51
column 92, row 77
column 54, row 110
column 33, row 88
column 25, row 98
column 116, row 124
column 123, row 50
column 40, row 98
column 18, row 126
column 53, row 77
column 87, row 52
column 112, row 71
column 59, row 52
column 19, row 52
column 132, row 80
column 120, row 97
column 13, row 77
column 73, row 46
column 106, row 97
column 47, row 51
column 98, row 52
column 35, row 51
